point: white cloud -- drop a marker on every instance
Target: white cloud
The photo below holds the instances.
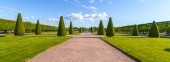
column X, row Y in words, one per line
column 53, row 19
column 92, row 7
column 87, row 17
column 90, row 17
column 32, row 17
column 26, row 18
column 89, row 7
column 92, row 1
column 75, row 16
column 102, row 16
column 4, row 8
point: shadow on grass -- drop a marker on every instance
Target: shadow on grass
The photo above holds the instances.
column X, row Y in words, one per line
column 167, row 49
column 168, row 37
column 137, row 37
column 2, row 35
column 165, row 37
column 41, row 36
column 123, row 35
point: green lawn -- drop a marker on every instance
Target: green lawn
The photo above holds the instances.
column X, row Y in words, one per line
column 145, row 49
column 22, row 48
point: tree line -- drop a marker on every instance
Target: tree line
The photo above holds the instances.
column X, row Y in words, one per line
column 144, row 28
column 8, row 26
column 101, row 30
column 151, row 29
column 109, row 31
column 20, row 27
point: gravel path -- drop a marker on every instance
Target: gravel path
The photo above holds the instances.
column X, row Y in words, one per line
column 82, row 48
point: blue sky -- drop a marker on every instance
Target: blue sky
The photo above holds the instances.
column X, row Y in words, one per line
column 87, row 12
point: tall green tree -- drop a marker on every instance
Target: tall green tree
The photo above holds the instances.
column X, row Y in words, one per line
column 101, row 30
column 110, row 29
column 154, row 31
column 61, row 27
column 91, row 29
column 135, row 31
column 71, row 30
column 38, row 28
column 19, row 27
column 80, row 30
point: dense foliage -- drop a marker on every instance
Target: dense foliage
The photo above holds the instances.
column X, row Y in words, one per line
column 135, row 31
column 163, row 27
column 110, row 29
column 19, row 27
column 101, row 30
column 38, row 28
column 154, row 31
column 80, row 30
column 61, row 27
column 71, row 30
column 91, row 29
column 8, row 26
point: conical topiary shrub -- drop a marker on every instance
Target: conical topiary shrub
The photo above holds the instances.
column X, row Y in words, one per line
column 154, row 30
column 110, row 29
column 91, row 29
column 80, row 30
column 38, row 28
column 71, row 31
column 19, row 27
column 101, row 30
column 61, row 27
column 135, row 31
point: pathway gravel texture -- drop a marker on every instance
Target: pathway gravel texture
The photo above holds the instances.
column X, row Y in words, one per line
column 82, row 48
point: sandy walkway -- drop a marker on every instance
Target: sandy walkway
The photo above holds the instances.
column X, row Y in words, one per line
column 82, row 48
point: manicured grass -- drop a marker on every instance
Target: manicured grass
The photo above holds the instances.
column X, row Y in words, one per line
column 143, row 48
column 23, row 48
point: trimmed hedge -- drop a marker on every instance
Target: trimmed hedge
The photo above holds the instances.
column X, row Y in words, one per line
column 154, row 31
column 71, row 30
column 101, row 30
column 61, row 27
column 110, row 29
column 19, row 27
column 38, row 28
column 135, row 31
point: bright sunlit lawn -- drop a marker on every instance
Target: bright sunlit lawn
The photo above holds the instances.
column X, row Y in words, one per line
column 22, row 48
column 143, row 48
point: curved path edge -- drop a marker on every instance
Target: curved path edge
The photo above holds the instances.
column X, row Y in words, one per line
column 127, row 54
